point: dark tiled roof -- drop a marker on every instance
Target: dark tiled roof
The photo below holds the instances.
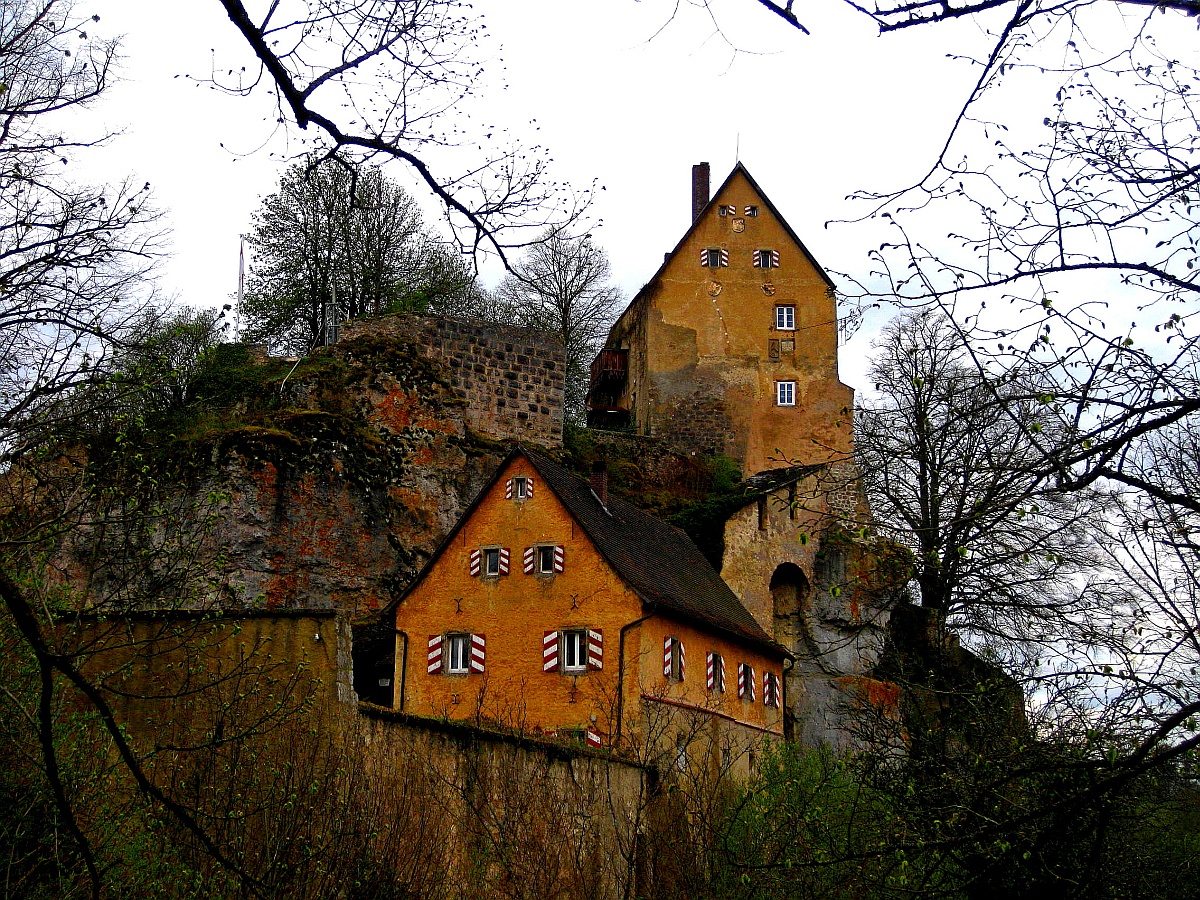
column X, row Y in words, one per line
column 660, row 563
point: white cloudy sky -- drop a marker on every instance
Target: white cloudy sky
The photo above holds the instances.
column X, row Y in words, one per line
column 617, row 98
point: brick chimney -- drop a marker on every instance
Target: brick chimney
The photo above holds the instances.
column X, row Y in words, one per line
column 699, row 189
column 599, row 481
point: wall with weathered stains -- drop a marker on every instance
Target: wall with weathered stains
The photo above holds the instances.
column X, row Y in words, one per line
column 510, row 379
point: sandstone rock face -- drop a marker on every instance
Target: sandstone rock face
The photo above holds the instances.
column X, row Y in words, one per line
column 340, row 496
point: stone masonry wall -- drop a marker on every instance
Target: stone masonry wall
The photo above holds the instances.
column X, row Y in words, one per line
column 511, row 378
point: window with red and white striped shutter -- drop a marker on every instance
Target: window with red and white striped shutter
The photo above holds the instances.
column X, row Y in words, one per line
column 668, row 655
column 771, row 689
column 508, row 489
column 476, row 562
column 504, row 560
column 595, row 649
column 715, row 672
column 593, row 738
column 528, row 560
column 550, row 651
column 560, row 557
column 433, row 656
column 745, row 681
column 478, row 652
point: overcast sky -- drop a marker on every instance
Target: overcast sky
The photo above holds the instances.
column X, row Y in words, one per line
column 618, row 98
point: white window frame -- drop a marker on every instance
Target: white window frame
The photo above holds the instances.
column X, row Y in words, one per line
column 574, row 640
column 460, row 644
column 545, row 552
column 785, row 317
column 491, row 555
column 785, row 393
column 711, row 254
column 520, row 487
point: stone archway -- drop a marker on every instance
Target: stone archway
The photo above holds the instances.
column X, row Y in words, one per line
column 789, row 590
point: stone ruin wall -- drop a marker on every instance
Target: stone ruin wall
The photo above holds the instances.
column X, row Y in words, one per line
column 511, row 378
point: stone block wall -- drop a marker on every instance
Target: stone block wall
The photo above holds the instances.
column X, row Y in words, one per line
column 511, row 378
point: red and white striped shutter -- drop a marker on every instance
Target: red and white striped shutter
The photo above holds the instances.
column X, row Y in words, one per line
column 741, row 679
column 757, row 257
column 529, row 488
column 722, row 674
column 593, row 738
column 595, row 649
column 774, row 259
column 527, row 560
column 724, row 257
column 682, row 659
column 508, row 489
column 503, row 560
column 709, row 670
column 550, row 651
column 560, row 557
column 433, row 658
column 478, row 652
column 750, row 683
column 704, row 257
column 476, row 562
column 668, row 642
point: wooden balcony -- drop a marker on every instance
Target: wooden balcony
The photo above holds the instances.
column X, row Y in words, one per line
column 610, row 367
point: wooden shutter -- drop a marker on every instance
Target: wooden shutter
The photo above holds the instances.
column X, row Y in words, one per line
column 433, row 658
column 774, row 259
column 593, row 738
column 560, row 557
column 745, row 681
column 529, row 560
column 508, row 489
column 478, row 648
column 724, row 257
column 476, row 562
column 710, row 670
column 668, row 643
column 595, row 649
column 529, row 488
column 550, row 651
column 503, row 560
column 682, row 658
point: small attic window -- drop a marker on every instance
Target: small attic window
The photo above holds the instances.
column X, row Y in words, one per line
column 714, row 258
column 751, row 212
column 726, row 210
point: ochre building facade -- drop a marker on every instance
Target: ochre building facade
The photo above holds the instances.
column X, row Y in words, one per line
column 553, row 608
column 731, row 347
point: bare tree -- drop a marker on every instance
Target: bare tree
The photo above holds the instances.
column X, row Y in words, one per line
column 380, row 79
column 562, row 285
column 951, row 472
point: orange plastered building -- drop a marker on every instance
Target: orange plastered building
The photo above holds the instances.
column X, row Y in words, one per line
column 554, row 608
column 731, row 347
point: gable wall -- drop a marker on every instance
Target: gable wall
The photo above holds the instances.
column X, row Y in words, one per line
column 513, row 611
column 706, row 381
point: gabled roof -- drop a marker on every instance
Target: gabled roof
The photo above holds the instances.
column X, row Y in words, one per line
column 658, row 562
column 708, row 206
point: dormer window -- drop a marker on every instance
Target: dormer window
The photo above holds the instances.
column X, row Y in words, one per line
column 766, row 259
column 714, row 258
column 751, row 212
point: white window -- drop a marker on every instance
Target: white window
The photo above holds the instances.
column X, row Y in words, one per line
column 546, row 560
column 491, row 561
column 785, row 393
column 785, row 318
column 520, row 488
column 458, row 659
column 574, row 651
